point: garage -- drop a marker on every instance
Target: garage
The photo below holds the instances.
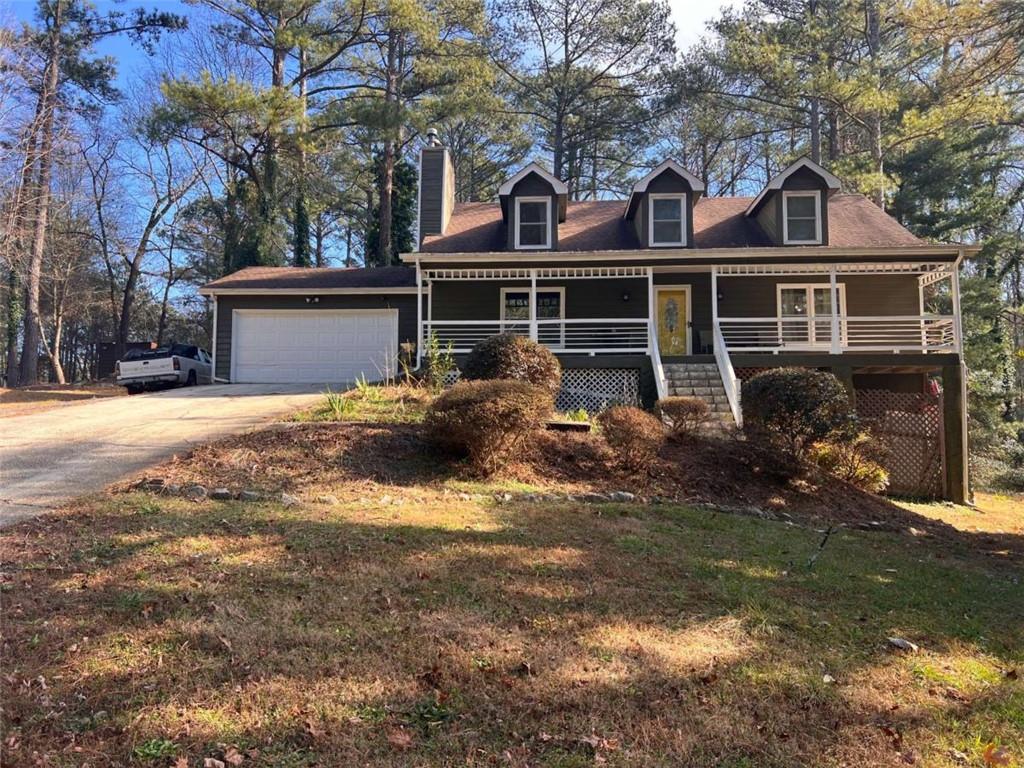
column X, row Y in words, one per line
column 313, row 346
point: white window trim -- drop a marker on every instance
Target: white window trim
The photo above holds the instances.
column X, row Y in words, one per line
column 681, row 197
column 526, row 289
column 809, row 288
column 547, row 208
column 817, row 216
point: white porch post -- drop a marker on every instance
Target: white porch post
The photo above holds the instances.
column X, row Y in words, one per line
column 533, row 304
column 958, row 330
column 714, row 299
column 213, row 344
column 650, row 308
column 419, row 315
column 836, row 347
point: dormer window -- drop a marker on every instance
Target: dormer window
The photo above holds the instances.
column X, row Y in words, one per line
column 667, row 225
column 801, row 218
column 533, row 223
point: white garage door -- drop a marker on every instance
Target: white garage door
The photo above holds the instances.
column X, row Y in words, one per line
column 313, row 346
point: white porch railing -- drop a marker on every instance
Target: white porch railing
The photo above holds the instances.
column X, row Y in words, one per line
column 730, row 382
column 889, row 333
column 579, row 336
column 660, row 380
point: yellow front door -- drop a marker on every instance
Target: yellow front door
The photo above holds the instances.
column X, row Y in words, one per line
column 672, row 322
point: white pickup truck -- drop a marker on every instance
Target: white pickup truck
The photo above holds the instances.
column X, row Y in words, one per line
column 142, row 369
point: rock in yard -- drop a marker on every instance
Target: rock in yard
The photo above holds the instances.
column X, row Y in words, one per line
column 622, row 497
column 903, row 645
column 221, row 494
column 194, row 492
column 328, row 499
column 151, row 484
column 290, row 501
column 250, row 496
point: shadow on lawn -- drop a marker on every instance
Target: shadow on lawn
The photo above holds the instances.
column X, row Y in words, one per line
column 522, row 634
column 382, row 458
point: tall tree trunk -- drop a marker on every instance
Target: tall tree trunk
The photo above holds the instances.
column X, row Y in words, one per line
column 387, row 172
column 28, row 371
column 300, row 225
column 873, row 26
column 833, row 136
column 267, row 252
column 815, row 102
column 13, row 320
column 132, row 281
column 815, row 127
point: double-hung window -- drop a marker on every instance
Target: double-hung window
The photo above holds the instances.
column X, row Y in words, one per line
column 667, row 220
column 533, row 222
column 801, row 218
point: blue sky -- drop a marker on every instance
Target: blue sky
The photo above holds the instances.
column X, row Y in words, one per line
column 690, row 17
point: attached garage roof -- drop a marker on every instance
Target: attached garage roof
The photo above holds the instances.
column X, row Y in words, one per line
column 313, row 279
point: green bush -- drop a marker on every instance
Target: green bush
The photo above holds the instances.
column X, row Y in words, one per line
column 509, row 356
column 635, row 435
column 858, row 461
column 487, row 421
column 792, row 408
column 682, row 415
column 440, row 363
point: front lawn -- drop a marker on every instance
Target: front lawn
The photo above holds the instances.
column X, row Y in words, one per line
column 399, row 615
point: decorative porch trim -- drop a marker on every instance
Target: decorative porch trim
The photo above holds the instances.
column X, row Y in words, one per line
column 542, row 273
column 881, row 268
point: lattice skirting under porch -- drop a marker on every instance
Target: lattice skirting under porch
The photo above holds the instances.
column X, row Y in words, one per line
column 909, row 425
column 592, row 389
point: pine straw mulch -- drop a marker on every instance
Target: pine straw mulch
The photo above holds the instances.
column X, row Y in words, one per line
column 353, row 461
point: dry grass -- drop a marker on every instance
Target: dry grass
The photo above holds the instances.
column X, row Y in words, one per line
column 418, row 622
column 991, row 513
column 18, row 402
column 419, row 627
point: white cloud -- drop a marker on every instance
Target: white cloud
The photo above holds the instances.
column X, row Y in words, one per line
column 691, row 17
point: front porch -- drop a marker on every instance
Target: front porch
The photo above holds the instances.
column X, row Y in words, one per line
column 673, row 313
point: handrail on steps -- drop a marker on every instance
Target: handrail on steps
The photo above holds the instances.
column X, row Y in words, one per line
column 659, row 370
column 728, row 374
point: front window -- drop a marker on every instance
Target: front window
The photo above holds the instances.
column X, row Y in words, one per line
column 805, row 313
column 668, row 220
column 533, row 222
column 801, row 218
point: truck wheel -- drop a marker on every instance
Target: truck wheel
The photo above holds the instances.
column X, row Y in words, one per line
column 133, row 389
column 191, row 380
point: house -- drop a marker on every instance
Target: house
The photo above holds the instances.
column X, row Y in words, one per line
column 668, row 291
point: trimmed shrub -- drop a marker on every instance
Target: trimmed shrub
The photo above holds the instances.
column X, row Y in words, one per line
column 792, row 408
column 858, row 461
column 509, row 356
column 635, row 435
column 487, row 421
column 682, row 415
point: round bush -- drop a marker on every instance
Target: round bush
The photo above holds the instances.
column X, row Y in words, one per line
column 682, row 415
column 791, row 408
column 635, row 435
column 858, row 460
column 487, row 421
column 509, row 356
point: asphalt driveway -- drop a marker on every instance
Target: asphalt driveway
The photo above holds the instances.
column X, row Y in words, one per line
column 48, row 458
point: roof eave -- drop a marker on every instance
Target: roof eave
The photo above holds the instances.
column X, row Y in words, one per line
column 662, row 254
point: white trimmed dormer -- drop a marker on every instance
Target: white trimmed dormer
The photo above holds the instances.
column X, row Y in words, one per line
column 660, row 206
column 792, row 209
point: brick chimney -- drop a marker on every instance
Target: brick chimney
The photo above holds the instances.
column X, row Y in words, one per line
column 437, row 187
